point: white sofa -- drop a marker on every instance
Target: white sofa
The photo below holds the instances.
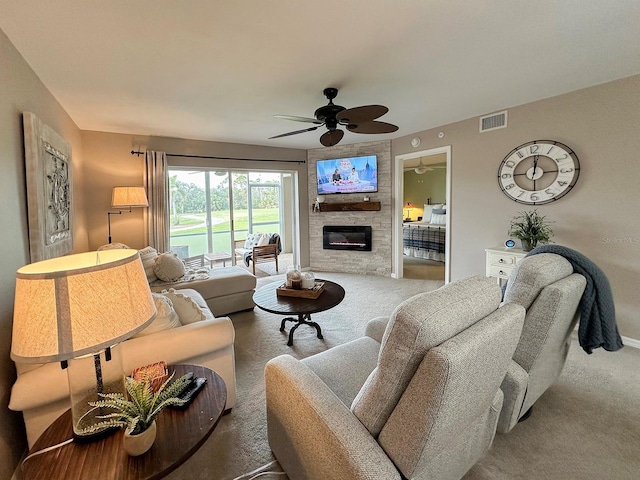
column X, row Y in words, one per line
column 41, row 391
column 226, row 290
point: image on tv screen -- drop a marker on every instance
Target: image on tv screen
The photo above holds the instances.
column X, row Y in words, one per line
column 347, row 175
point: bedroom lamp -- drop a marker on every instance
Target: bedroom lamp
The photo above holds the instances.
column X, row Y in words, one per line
column 409, row 207
column 125, row 198
column 73, row 310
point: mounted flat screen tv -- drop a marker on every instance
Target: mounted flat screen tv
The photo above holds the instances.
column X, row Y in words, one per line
column 347, row 175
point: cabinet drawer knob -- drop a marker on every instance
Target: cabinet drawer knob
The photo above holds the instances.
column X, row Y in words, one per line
column 501, row 272
column 502, row 260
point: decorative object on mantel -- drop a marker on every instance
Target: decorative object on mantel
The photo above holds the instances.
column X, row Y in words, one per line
column 49, row 190
column 531, row 228
column 139, row 411
column 73, row 310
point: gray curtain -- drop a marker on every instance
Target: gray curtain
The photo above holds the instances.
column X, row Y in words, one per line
column 156, row 181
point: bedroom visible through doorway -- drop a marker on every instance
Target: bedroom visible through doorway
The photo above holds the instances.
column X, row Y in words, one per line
column 422, row 185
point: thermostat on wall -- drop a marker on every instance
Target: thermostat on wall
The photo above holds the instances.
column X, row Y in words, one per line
column 509, row 243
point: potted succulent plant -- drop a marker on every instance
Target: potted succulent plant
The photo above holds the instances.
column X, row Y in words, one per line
column 138, row 412
column 531, row 228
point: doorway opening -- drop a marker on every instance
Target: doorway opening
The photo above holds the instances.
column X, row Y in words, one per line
column 422, row 214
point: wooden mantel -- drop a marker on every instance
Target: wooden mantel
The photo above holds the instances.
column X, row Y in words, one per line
column 350, row 207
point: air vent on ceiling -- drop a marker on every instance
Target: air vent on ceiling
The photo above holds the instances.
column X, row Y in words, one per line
column 493, row 121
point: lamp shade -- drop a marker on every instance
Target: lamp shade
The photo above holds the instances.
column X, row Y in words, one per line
column 78, row 304
column 129, row 197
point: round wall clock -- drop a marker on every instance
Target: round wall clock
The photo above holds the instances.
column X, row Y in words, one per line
column 538, row 172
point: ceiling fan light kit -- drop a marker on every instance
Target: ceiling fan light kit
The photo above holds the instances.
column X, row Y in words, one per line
column 357, row 120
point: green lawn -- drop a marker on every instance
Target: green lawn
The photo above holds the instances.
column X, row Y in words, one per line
column 196, row 238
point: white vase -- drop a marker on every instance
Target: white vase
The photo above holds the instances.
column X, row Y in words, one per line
column 138, row 444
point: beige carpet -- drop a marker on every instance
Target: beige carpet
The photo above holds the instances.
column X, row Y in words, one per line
column 587, row 426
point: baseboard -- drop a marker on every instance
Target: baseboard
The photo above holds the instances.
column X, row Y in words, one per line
column 631, row 342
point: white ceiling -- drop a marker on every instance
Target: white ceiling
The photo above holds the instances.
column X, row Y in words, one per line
column 219, row 70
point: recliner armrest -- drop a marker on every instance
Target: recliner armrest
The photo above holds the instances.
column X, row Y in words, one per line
column 305, row 417
column 376, row 327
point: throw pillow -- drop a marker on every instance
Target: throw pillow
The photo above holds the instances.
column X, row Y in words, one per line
column 439, row 211
column 148, row 256
column 253, row 240
column 264, row 239
column 169, row 267
column 417, row 325
column 186, row 307
column 438, row 219
column 167, row 317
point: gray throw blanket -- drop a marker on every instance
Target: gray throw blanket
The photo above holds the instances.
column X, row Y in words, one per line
column 598, row 326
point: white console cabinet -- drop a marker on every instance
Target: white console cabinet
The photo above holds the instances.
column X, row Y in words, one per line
column 500, row 261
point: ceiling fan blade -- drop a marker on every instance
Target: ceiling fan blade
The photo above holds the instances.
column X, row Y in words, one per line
column 331, row 138
column 300, row 119
column 372, row 127
column 361, row 114
column 296, row 132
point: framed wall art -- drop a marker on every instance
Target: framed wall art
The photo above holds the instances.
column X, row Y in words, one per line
column 49, row 190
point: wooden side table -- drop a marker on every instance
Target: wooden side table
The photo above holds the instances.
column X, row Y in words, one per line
column 180, row 434
column 214, row 257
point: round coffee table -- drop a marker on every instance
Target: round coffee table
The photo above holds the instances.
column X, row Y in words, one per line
column 268, row 300
column 180, row 434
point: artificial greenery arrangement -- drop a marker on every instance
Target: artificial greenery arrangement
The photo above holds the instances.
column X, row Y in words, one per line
column 531, row 228
column 139, row 411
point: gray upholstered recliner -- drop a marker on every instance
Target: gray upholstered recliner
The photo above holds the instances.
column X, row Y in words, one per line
column 547, row 287
column 417, row 397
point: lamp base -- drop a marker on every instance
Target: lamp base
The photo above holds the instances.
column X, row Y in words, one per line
column 90, row 376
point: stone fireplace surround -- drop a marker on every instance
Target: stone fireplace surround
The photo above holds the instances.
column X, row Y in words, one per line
column 374, row 262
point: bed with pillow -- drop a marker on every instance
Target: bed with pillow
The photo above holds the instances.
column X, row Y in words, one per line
column 426, row 238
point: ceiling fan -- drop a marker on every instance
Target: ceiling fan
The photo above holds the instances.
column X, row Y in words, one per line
column 356, row 120
column 422, row 168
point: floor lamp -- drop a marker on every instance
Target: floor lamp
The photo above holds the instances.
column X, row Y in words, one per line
column 124, row 198
column 74, row 310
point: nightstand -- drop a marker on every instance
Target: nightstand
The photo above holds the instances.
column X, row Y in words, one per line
column 500, row 261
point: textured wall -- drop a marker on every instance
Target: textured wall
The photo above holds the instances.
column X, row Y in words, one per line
column 599, row 217
column 378, row 260
column 22, row 91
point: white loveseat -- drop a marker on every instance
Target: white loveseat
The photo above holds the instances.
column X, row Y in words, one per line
column 41, row 391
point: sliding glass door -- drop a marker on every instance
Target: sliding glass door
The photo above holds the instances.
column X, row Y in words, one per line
column 213, row 209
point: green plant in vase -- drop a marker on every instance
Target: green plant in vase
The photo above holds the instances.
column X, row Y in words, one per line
column 531, row 228
column 138, row 412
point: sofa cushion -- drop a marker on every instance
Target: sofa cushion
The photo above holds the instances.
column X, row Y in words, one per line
column 169, row 267
column 167, row 316
column 148, row 256
column 418, row 324
column 186, row 306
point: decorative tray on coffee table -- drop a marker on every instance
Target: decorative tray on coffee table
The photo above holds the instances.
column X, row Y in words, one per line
column 314, row 292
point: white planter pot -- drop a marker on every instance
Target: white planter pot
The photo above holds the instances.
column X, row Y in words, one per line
column 138, row 444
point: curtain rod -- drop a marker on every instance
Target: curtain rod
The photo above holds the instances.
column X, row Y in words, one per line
column 138, row 153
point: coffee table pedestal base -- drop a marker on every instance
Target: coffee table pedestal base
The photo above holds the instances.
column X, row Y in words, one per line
column 303, row 318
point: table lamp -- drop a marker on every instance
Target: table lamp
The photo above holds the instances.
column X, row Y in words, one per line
column 124, row 198
column 73, row 310
column 409, row 207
